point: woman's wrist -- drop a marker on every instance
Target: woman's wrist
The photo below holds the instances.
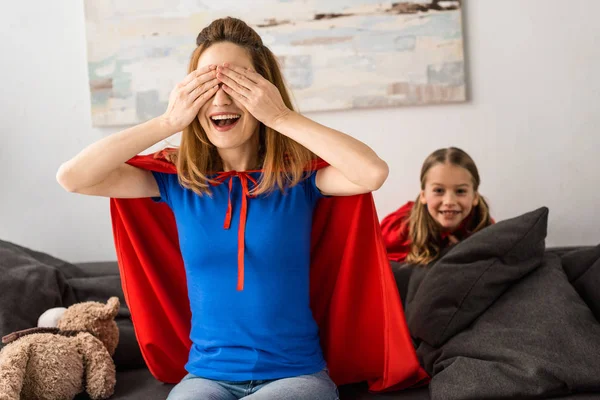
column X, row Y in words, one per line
column 164, row 126
column 281, row 120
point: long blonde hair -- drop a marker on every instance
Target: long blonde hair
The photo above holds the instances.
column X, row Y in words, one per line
column 283, row 160
column 425, row 232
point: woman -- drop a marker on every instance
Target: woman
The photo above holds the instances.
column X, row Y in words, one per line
column 260, row 341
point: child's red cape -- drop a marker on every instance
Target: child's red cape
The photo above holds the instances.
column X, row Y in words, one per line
column 353, row 294
column 395, row 230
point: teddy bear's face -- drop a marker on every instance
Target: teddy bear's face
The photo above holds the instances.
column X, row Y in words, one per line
column 96, row 318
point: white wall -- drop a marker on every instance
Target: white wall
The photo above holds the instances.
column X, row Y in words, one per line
column 530, row 124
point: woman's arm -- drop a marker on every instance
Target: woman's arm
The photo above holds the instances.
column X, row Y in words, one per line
column 100, row 168
column 354, row 166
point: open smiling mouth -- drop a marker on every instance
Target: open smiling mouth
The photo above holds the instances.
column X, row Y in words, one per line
column 225, row 122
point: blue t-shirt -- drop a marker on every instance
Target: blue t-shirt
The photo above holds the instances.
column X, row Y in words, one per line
column 265, row 331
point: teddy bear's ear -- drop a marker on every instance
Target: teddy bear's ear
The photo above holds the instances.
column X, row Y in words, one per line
column 111, row 308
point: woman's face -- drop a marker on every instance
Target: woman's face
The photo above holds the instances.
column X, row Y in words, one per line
column 228, row 125
column 449, row 195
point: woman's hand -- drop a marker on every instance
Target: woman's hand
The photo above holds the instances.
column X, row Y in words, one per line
column 259, row 96
column 189, row 96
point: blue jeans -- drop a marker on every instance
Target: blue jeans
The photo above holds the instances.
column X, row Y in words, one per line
column 317, row 386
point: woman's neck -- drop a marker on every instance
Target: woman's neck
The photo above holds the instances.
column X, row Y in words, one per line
column 242, row 158
column 238, row 160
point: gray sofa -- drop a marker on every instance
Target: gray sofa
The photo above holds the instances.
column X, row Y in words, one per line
column 497, row 297
column 499, row 316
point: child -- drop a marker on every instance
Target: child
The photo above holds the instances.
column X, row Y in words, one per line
column 448, row 209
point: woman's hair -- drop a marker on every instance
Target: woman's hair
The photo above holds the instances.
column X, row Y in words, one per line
column 425, row 232
column 283, row 160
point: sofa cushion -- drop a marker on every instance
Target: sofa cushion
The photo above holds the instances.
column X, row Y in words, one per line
column 583, row 269
column 496, row 317
column 31, row 283
column 473, row 274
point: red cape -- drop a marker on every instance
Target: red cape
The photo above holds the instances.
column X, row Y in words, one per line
column 353, row 294
column 395, row 231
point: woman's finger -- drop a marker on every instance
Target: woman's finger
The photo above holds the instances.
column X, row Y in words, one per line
column 199, row 102
column 239, row 78
column 194, row 94
column 199, row 80
column 236, row 95
column 196, row 73
column 233, row 84
column 252, row 76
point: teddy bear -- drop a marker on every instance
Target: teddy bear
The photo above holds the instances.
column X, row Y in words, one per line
column 59, row 363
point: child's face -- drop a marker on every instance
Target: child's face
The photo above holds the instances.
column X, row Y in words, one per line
column 449, row 195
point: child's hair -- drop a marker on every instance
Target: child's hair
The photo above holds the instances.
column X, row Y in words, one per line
column 283, row 160
column 425, row 232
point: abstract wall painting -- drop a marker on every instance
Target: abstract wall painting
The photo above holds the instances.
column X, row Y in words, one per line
column 335, row 55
